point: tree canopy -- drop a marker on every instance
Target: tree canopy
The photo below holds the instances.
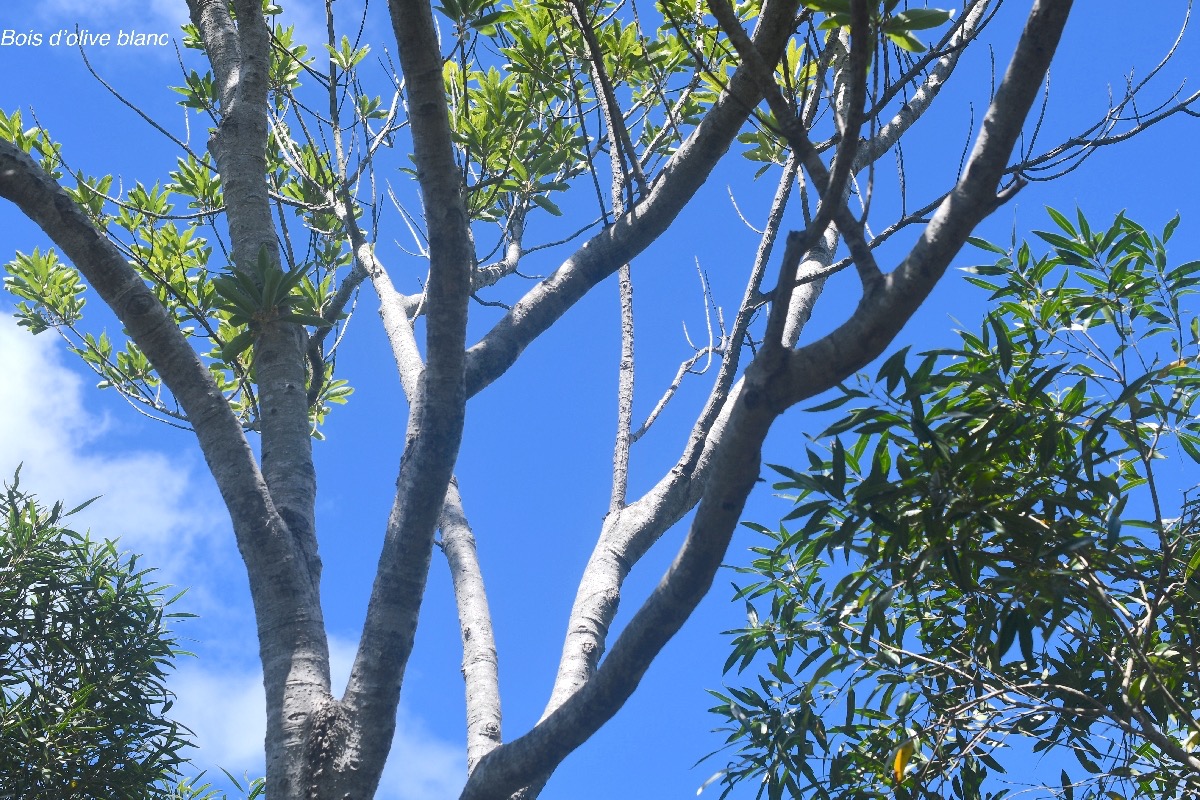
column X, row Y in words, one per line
column 996, row 544
column 85, row 648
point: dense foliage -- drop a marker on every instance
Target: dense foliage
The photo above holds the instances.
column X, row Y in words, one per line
column 85, row 646
column 995, row 547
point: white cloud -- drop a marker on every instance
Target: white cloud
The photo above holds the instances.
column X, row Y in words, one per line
column 421, row 766
column 226, row 711
column 154, row 503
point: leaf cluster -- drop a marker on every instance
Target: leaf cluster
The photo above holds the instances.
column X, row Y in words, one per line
column 990, row 550
column 85, row 646
column 259, row 297
column 896, row 26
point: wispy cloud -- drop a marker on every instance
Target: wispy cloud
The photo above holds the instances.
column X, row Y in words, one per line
column 421, row 766
column 225, row 709
column 152, row 502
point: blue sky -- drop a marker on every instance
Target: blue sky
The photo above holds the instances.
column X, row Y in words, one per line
column 535, row 461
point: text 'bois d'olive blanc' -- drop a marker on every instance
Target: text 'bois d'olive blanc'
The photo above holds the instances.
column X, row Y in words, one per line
column 85, row 38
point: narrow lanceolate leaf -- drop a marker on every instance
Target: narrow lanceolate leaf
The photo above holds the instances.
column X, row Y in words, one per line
column 238, row 345
column 917, row 19
column 996, row 510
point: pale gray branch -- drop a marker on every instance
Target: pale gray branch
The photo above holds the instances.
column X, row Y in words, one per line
column 881, row 314
column 479, row 665
column 435, row 417
column 298, row 679
column 618, row 244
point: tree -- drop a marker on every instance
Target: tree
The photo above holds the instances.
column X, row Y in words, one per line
column 997, row 544
column 84, row 652
column 590, row 95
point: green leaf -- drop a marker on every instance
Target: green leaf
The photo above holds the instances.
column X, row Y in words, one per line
column 917, row 19
column 238, row 345
column 235, row 296
column 1003, row 343
column 1061, row 221
column 545, row 203
column 1008, row 632
column 306, row 319
column 1025, row 637
column 906, row 41
column 893, row 369
column 984, row 244
column 489, row 21
column 1170, row 229
column 828, row 6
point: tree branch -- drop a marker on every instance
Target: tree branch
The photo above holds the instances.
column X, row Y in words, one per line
column 508, row 767
column 618, row 244
column 241, row 59
column 480, row 668
column 479, row 665
column 880, row 315
column 436, row 411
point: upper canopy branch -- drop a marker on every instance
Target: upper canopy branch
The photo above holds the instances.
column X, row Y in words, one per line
column 880, row 315
column 605, row 252
column 832, row 185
